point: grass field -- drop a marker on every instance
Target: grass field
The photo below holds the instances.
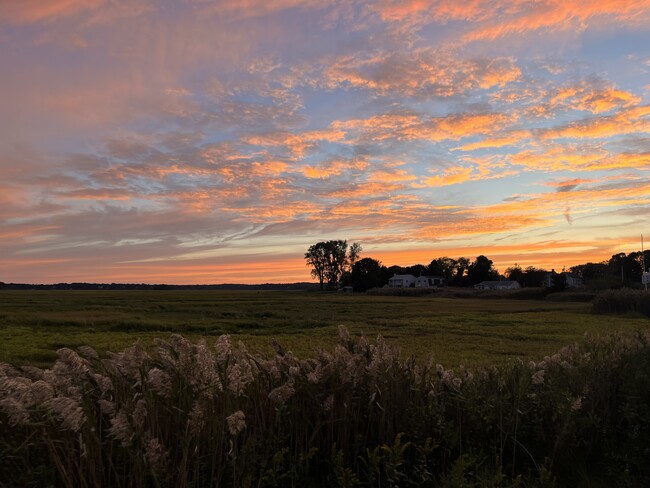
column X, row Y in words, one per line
column 34, row 324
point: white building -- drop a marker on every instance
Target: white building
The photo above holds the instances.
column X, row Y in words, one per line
column 402, row 281
column 572, row 280
column 645, row 278
column 429, row 281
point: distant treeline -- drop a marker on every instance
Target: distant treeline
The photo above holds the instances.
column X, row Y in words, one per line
column 144, row 286
column 621, row 270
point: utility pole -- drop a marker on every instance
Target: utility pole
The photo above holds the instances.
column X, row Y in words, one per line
column 645, row 276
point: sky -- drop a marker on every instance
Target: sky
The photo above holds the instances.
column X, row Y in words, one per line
column 203, row 141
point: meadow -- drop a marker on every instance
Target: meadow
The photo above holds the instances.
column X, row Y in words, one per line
column 469, row 331
column 358, row 391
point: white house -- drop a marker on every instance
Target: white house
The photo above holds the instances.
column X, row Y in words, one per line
column 572, row 280
column 645, row 278
column 429, row 281
column 402, row 281
column 497, row 285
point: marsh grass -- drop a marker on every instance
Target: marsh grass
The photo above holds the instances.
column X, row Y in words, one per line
column 473, row 331
column 194, row 414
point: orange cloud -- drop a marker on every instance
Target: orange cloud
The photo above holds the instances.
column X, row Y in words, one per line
column 414, row 127
column 586, row 96
column 451, row 177
column 298, row 144
column 626, row 121
column 395, row 175
column 359, row 190
column 438, row 10
column 421, row 73
column 333, row 168
column 524, row 17
column 513, row 138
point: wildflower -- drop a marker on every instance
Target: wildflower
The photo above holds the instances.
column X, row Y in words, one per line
column 344, row 335
column 196, row 419
column 224, row 348
column 70, row 361
column 206, row 374
column 538, row 378
column 236, row 422
column 282, row 393
column 121, row 429
column 69, row 411
column 88, row 352
column 576, row 405
column 239, row 376
column 104, row 382
column 15, row 410
column 448, row 377
column 294, row 371
column 155, row 452
column 41, row 392
column 106, row 407
column 139, row 414
column 328, row 403
column 315, row 376
column 160, row 382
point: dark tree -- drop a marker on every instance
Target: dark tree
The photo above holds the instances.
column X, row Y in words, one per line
column 626, row 267
column 415, row 270
column 515, row 273
column 534, row 276
column 388, row 273
column 591, row 271
column 366, row 273
column 329, row 261
column 481, row 269
column 558, row 281
column 460, row 275
column 444, row 267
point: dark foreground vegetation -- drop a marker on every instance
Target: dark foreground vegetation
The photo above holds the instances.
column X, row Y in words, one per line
column 189, row 414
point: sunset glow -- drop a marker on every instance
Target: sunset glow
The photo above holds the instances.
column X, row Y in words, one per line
column 203, row 141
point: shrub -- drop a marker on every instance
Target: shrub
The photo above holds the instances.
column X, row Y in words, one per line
column 623, row 301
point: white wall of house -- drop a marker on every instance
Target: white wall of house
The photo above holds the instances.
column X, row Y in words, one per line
column 401, row 281
column 428, row 281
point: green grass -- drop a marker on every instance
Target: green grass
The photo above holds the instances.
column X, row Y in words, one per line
column 34, row 324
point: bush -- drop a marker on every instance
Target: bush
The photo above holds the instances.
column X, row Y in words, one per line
column 571, row 296
column 623, row 301
column 188, row 415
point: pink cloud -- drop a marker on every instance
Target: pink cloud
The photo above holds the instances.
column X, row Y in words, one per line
column 28, row 11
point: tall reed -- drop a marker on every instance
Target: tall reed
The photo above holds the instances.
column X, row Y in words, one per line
column 193, row 415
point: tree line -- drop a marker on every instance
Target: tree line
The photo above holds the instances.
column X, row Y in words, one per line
column 334, row 264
